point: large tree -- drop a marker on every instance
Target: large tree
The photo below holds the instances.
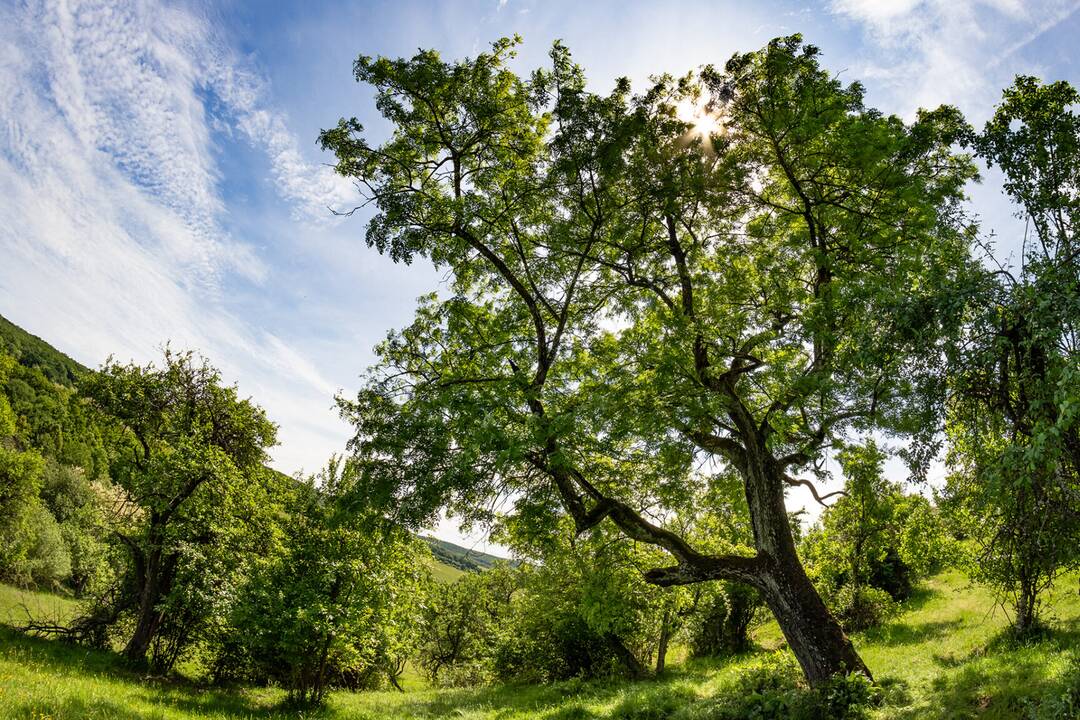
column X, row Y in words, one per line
column 738, row 265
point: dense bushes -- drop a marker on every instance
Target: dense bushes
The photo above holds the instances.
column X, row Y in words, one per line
column 720, row 623
column 873, row 544
column 49, row 508
column 335, row 606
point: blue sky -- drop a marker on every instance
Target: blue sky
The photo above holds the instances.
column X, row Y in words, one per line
column 159, row 178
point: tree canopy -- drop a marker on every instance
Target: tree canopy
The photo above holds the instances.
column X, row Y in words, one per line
column 629, row 295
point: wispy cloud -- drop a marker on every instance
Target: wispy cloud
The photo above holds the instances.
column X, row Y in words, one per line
column 113, row 236
column 950, row 51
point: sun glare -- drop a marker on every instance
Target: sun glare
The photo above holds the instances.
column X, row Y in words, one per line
column 703, row 122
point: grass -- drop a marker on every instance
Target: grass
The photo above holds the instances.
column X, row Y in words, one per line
column 444, row 573
column 945, row 657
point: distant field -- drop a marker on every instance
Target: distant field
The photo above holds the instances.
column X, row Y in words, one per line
column 939, row 660
column 445, row 573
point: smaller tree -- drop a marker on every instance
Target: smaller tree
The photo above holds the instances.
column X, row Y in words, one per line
column 462, row 623
column 338, row 605
column 1014, row 414
column 186, row 454
column 720, row 614
column 872, row 544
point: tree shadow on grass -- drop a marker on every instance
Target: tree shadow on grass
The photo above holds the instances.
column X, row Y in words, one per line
column 1003, row 680
column 60, row 655
column 74, row 707
column 920, row 597
column 895, row 634
column 63, row 659
column 557, row 701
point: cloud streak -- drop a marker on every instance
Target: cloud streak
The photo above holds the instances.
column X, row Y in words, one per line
column 960, row 52
column 113, row 238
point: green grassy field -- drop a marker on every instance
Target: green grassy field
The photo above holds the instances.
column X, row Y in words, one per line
column 943, row 658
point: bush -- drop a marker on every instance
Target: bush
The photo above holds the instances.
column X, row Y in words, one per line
column 20, row 479
column 722, row 625
column 48, row 561
column 859, row 608
column 775, row 690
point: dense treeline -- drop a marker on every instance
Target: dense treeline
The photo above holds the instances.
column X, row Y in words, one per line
column 666, row 310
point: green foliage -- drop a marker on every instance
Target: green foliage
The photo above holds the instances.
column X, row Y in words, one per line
column 52, row 419
column 338, row 607
column 187, row 456
column 627, row 298
column 32, row 352
column 772, row 689
column 462, row 624
column 937, row 661
column 20, row 480
column 871, row 546
column 48, row 560
column 720, row 623
column 1014, row 420
column 1063, row 704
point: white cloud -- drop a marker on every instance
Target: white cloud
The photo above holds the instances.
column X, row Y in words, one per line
column 112, row 238
column 959, row 52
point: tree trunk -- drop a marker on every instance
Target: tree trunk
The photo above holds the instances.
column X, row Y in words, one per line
column 813, row 634
column 665, row 637
column 151, row 587
column 146, row 625
column 633, row 666
column 1026, row 616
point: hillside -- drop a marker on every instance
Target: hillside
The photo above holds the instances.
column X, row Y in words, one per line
column 32, row 351
column 459, row 557
column 943, row 658
column 450, row 560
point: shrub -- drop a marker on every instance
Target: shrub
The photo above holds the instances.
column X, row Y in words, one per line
column 775, row 690
column 48, row 561
column 20, row 479
column 859, row 608
column 722, row 624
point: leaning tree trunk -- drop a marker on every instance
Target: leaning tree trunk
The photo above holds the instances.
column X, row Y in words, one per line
column 813, row 634
column 146, row 624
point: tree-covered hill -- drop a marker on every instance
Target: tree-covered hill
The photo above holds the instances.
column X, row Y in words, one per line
column 31, row 351
column 461, row 558
column 51, row 420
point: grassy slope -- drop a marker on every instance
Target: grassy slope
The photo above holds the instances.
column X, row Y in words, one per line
column 939, row 660
column 444, row 573
column 460, row 557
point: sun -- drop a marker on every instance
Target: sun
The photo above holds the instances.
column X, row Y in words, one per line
column 704, row 122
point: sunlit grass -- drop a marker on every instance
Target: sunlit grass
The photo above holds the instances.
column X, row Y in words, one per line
column 944, row 657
